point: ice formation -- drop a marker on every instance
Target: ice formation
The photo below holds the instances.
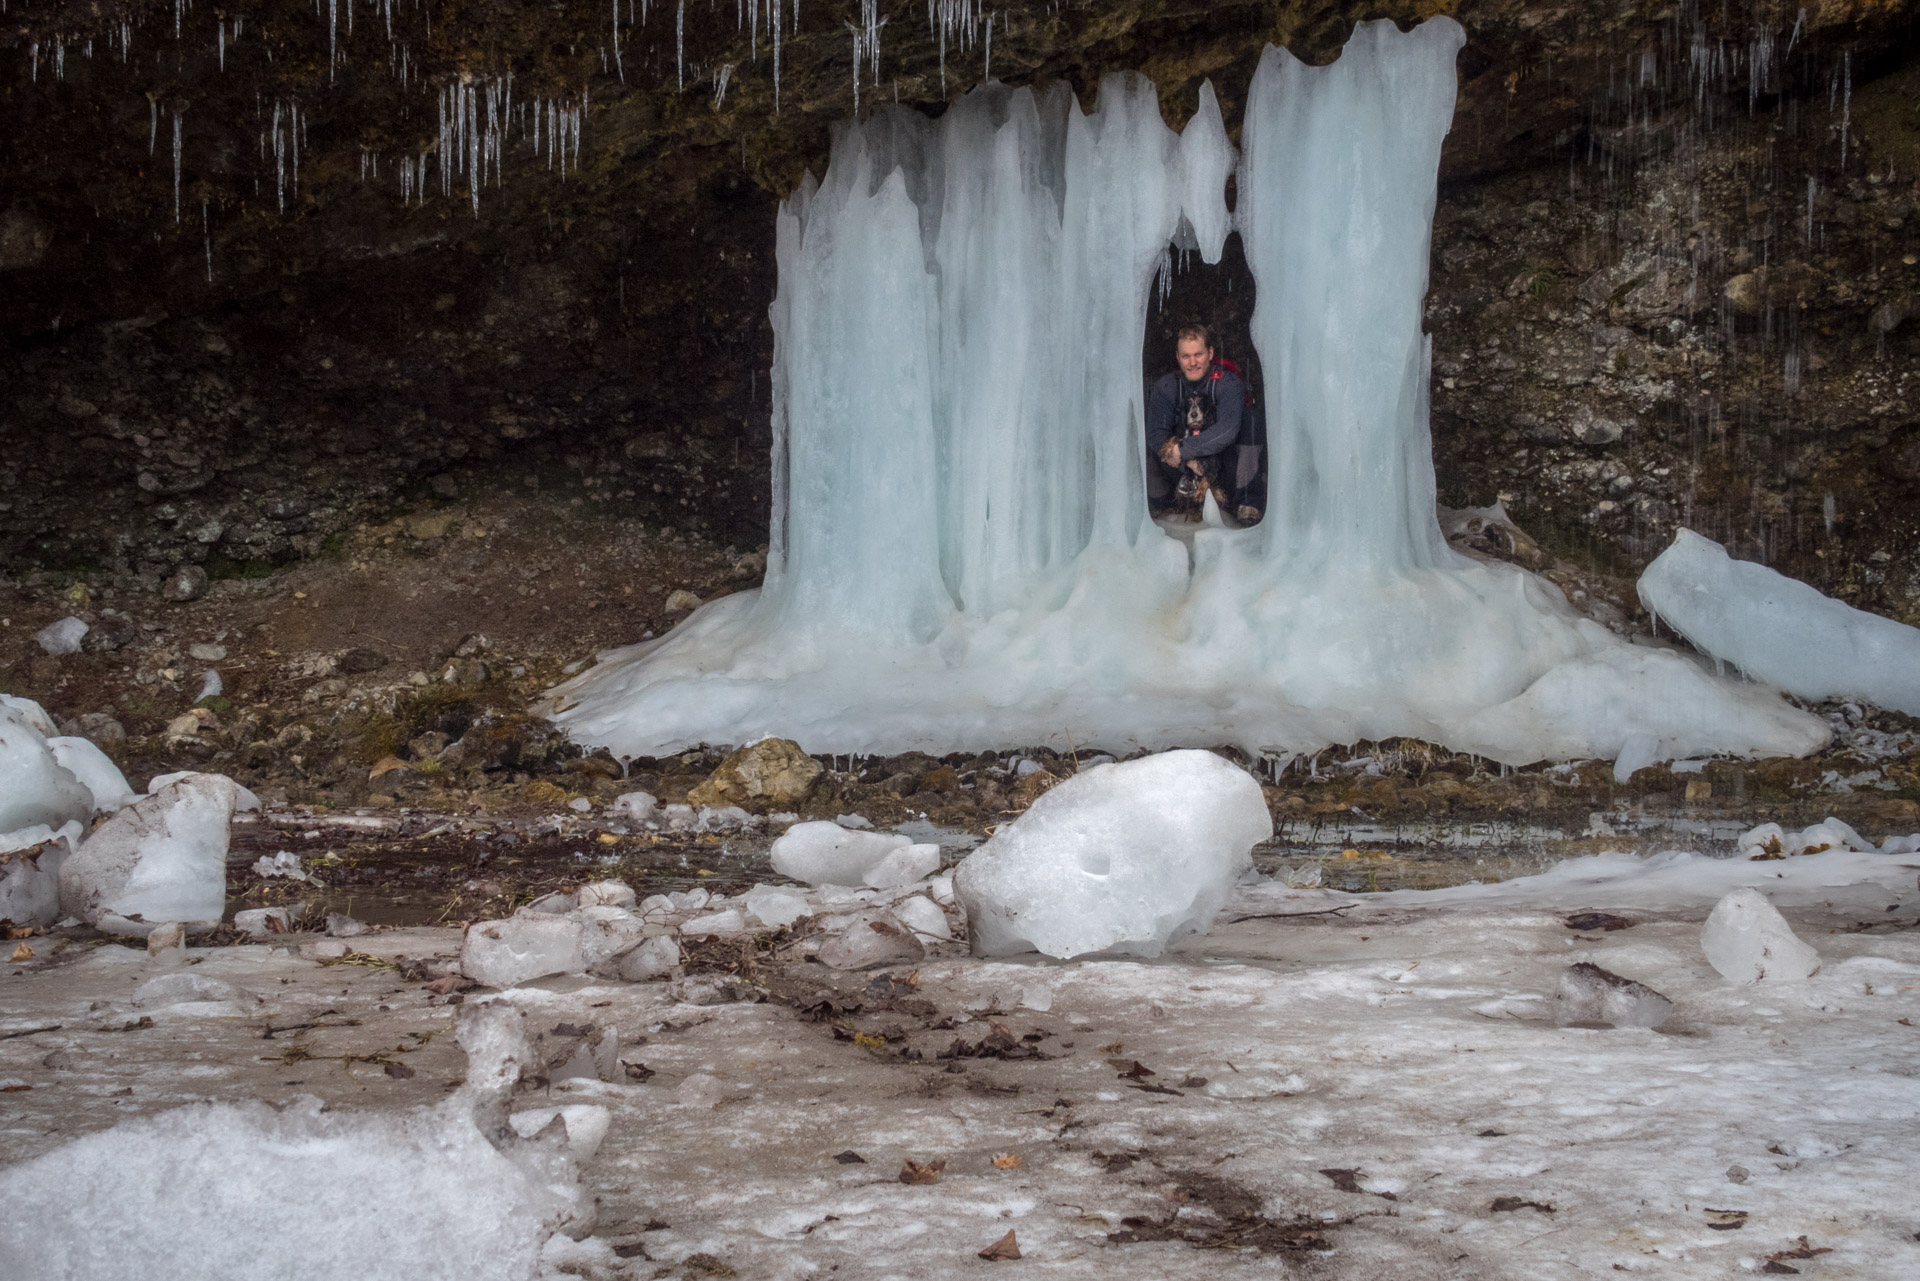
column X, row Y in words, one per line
column 1122, row 858
column 161, row 859
column 1779, row 630
column 822, row 853
column 230, row 1190
column 1589, row 994
column 1748, row 941
column 95, row 771
column 35, row 788
column 961, row 556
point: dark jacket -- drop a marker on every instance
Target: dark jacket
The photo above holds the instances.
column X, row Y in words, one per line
column 1223, row 401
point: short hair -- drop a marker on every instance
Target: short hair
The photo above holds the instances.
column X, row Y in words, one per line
column 1194, row 331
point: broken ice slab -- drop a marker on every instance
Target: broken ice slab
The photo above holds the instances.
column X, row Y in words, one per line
column 30, row 862
column 868, row 939
column 822, row 853
column 1590, row 994
column 776, row 907
column 586, row 1125
column 607, row 894
column 651, row 958
column 903, row 866
column 923, row 916
column 34, row 787
column 1748, row 941
column 262, row 922
column 163, row 858
column 527, row 945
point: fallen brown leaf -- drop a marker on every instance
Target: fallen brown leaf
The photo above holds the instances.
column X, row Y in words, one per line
column 23, row 953
column 450, row 983
column 913, row 1172
column 1505, row 1203
column 1726, row 1220
column 1007, row 1161
column 1005, row 1248
column 1131, row 1069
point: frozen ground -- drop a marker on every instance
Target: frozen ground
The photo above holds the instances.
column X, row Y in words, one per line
column 1403, row 1042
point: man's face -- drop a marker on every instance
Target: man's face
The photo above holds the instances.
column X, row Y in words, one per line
column 1194, row 356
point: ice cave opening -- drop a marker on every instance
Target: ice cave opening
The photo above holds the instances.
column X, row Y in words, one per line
column 961, row 556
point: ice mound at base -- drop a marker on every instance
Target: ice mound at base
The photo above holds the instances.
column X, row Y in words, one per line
column 960, row 551
column 1780, row 630
column 1122, row 858
column 447, row 1193
column 161, row 859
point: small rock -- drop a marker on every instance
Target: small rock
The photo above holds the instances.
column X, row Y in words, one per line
column 772, row 772
column 429, row 527
column 1748, row 941
column 111, row 631
column 1738, row 1174
column 208, row 653
column 1589, row 994
column 166, row 938
column 472, row 645
column 445, row 485
column 319, row 691
column 344, row 927
column 98, row 727
column 62, row 637
column 189, row 582
column 361, row 660
column 580, row 805
column 681, row 599
column 637, row 807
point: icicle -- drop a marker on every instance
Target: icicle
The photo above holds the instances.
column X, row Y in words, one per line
column 775, row 7
column 176, row 167
column 616, row 43
column 221, row 27
column 207, row 231
column 153, row 123
column 680, row 45
column 720, row 85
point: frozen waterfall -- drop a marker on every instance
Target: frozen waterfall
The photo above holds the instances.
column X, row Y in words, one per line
column 962, row 556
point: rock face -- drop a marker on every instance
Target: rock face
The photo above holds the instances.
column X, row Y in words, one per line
column 1748, row 941
column 771, row 774
column 1124, row 858
column 161, row 859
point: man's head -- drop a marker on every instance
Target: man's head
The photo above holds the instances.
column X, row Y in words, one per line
column 1194, row 350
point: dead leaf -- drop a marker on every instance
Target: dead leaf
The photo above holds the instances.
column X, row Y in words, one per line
column 1007, row 1161
column 1116, row 1048
column 915, row 1173
column 1005, row 1248
column 23, row 953
column 849, row 1157
column 386, row 765
column 1349, row 1181
column 14, row 1089
column 1801, row 1251
column 636, row 1071
column 1131, row 1069
column 1505, row 1203
column 398, row 1071
column 1726, row 1220
column 1584, row 921
column 450, row 983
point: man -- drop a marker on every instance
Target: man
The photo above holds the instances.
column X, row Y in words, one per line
column 1194, row 418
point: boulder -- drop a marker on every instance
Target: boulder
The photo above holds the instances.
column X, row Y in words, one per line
column 771, row 773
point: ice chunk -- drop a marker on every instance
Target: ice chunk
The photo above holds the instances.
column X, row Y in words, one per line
column 607, row 894
column 729, row 921
column 280, row 863
column 527, row 945
column 776, row 907
column 823, row 853
column 871, row 938
column 263, row 922
column 1771, row 841
column 1779, row 630
column 586, row 1125
column 637, row 807
column 184, row 987
column 162, row 858
column 95, row 770
column 29, row 712
column 903, row 866
column 700, row 1090
column 30, row 860
column 1121, row 858
column 1589, row 994
column 651, row 958
column 923, row 916
column 607, row 931
column 253, row 1190
column 34, row 787
column 62, row 637
column 1748, row 941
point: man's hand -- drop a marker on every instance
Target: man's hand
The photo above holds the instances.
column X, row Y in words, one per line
column 1170, row 452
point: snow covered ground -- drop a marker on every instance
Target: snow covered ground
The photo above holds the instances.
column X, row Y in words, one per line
column 1349, row 1093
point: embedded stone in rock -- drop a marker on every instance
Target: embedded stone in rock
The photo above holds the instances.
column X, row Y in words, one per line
column 163, row 858
column 1589, row 994
column 1122, row 858
column 526, row 946
column 822, row 853
column 772, row 772
column 1748, row 941
column 189, row 582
